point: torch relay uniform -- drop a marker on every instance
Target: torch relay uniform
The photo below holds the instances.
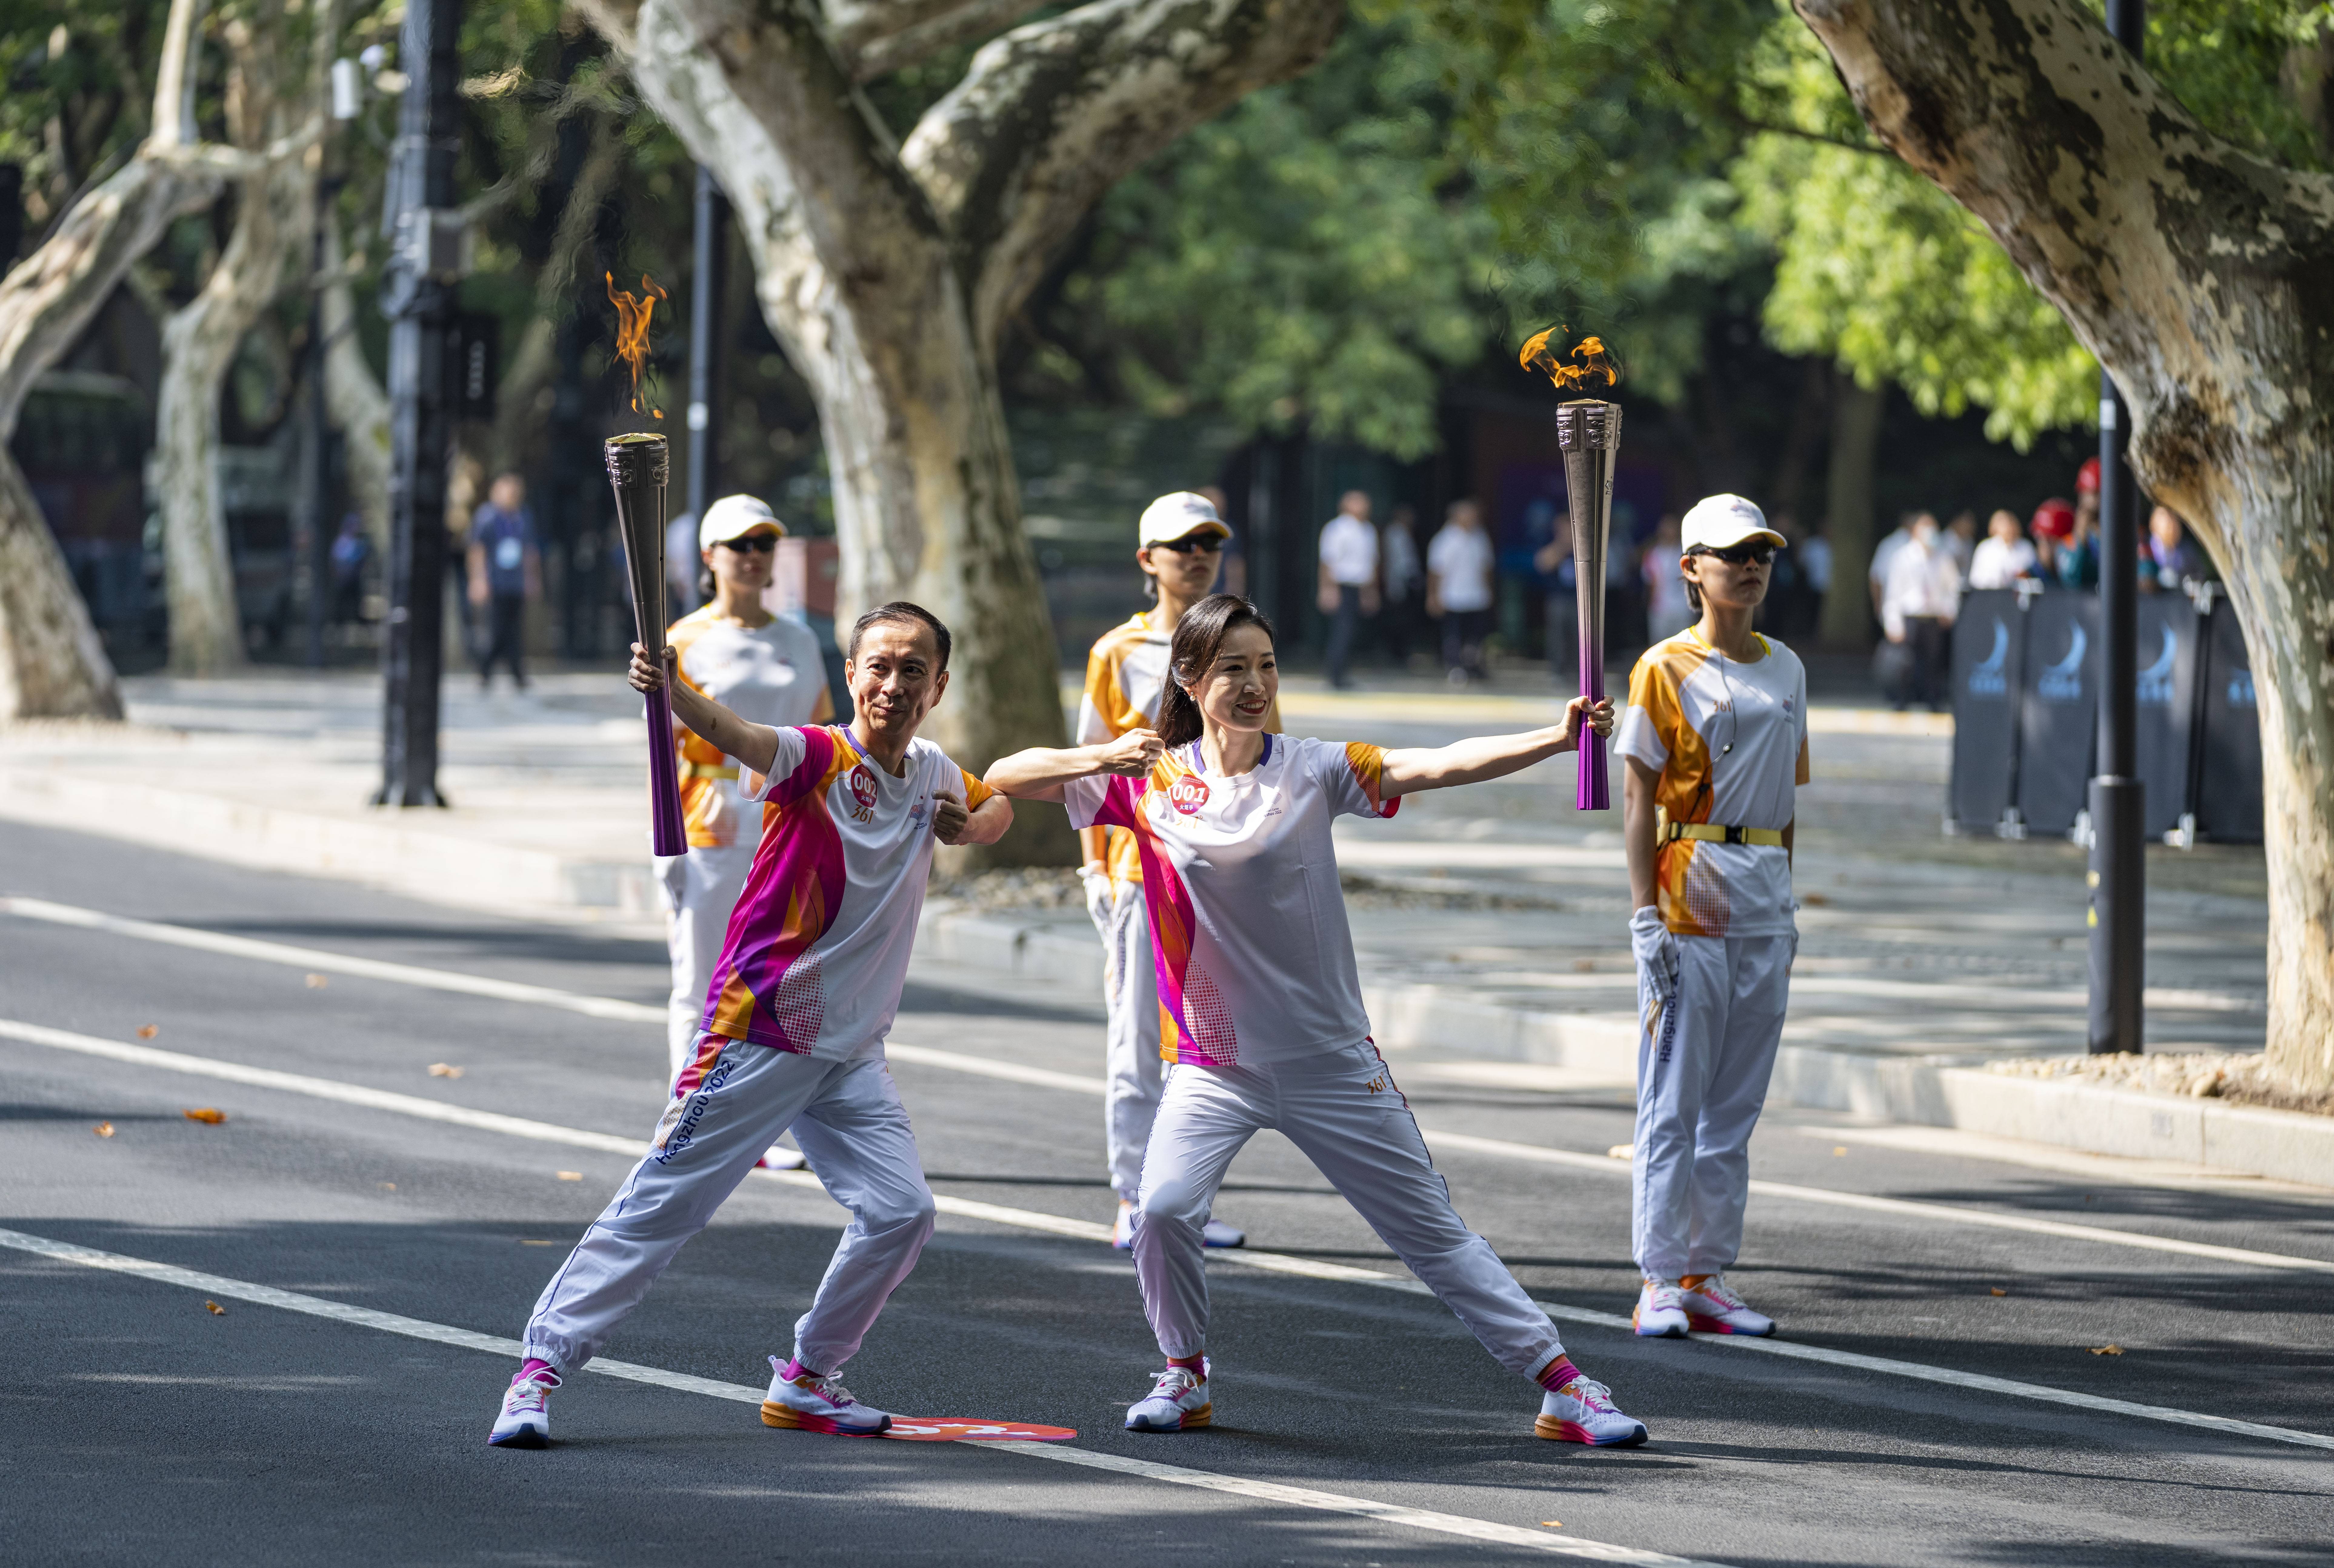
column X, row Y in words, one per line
column 1730, row 741
column 802, row 997
column 1262, row 1025
column 772, row 674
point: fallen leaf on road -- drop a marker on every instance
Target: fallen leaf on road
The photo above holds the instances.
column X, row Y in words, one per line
column 388, row 1187
column 214, row 1308
column 1622, row 1151
column 1998, row 1290
column 1838, row 1149
column 1553, row 1523
column 440, row 1070
column 209, row 1115
column 1585, row 965
column 148, row 1031
column 571, row 1176
column 1815, row 901
column 2106, row 1350
column 530, row 1241
column 104, row 1129
column 317, row 982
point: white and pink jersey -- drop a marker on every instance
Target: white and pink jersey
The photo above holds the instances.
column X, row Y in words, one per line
column 1248, row 923
column 818, row 950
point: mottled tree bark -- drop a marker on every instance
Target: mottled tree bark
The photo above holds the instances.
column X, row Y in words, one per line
column 888, row 268
column 1850, row 525
column 354, row 397
column 2203, row 277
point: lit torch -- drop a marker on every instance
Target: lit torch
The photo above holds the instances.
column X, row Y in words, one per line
column 639, row 467
column 1588, row 433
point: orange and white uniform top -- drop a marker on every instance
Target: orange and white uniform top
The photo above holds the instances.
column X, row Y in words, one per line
column 1126, row 671
column 1249, row 935
column 771, row 674
column 817, row 948
column 1730, row 739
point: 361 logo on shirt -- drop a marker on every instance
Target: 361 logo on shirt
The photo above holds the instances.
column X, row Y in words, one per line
column 862, row 794
column 1188, row 794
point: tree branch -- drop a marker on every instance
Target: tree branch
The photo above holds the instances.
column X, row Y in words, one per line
column 1053, row 114
column 873, row 53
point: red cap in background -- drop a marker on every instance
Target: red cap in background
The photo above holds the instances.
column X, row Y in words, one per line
column 2087, row 478
column 2054, row 519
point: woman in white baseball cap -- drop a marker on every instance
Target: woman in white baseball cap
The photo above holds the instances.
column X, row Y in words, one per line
column 1714, row 742
column 768, row 669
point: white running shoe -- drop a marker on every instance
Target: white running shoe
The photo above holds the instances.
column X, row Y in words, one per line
column 781, row 1158
column 1711, row 1307
column 1582, row 1411
column 526, row 1420
column 1217, row 1233
column 1177, row 1402
column 817, row 1404
column 1661, row 1311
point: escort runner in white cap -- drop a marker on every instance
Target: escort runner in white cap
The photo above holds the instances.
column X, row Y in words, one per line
column 1715, row 739
column 765, row 669
column 1179, row 545
column 802, row 995
column 1260, row 1001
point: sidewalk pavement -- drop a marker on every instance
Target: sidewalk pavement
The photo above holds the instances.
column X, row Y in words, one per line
column 1490, row 921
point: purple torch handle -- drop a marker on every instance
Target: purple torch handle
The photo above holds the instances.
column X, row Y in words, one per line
column 1590, row 790
column 668, row 832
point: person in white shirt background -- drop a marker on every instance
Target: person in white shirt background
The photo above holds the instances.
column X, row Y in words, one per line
column 1917, row 611
column 1459, row 565
column 1349, row 581
column 682, row 566
column 1884, row 555
column 1667, row 611
column 1405, row 582
column 2003, row 555
column 1261, row 1013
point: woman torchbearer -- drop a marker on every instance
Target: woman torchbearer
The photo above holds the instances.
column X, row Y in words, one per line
column 1715, row 739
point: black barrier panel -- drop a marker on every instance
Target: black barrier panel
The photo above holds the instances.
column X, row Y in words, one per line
column 1988, row 654
column 2166, row 632
column 2057, row 710
column 2229, row 785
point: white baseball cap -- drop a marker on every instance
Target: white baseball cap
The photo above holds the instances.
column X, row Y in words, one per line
column 1178, row 516
column 734, row 517
column 1716, row 521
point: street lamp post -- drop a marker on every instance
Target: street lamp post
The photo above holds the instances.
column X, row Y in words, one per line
column 426, row 246
column 2118, row 866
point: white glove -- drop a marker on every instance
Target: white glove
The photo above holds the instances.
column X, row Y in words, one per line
column 1656, row 950
column 1100, row 897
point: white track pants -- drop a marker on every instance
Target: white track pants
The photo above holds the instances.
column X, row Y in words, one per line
column 1343, row 1110
column 849, row 1121
column 1701, row 1077
column 701, row 889
column 1134, row 1073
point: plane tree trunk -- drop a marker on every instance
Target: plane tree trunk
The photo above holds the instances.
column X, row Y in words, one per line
column 2202, row 278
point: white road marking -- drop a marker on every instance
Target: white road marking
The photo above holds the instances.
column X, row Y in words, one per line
column 1089, row 1230
column 322, row 960
column 218, row 1285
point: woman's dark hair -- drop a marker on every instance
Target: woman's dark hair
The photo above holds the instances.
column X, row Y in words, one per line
column 1693, row 590
column 1199, row 638
column 899, row 612
column 705, row 583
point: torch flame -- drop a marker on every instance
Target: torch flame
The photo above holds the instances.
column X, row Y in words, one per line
column 1595, row 359
column 632, row 313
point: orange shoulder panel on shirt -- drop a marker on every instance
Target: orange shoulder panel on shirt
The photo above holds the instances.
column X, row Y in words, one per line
column 1683, row 793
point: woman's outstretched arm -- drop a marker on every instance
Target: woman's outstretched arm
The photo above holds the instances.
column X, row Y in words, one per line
column 1489, row 756
column 1040, row 772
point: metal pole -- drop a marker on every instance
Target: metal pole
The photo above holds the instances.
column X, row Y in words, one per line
column 2118, row 866
column 417, row 297
column 704, row 350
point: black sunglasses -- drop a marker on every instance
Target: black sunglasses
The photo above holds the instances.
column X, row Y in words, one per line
column 1761, row 551
column 1206, row 543
column 761, row 543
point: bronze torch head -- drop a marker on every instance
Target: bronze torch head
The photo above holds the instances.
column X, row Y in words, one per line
column 638, row 469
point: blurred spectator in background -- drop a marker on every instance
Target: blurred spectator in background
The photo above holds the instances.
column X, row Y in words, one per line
column 2003, row 555
column 1924, row 591
column 2053, row 525
column 1667, row 611
column 1793, row 604
column 351, row 553
column 1349, row 580
column 505, row 571
column 683, row 564
column 1233, row 579
column 1814, row 555
column 1884, row 555
column 2171, row 561
column 1459, row 590
column 1960, row 539
column 1553, row 561
column 1405, row 582
column 2078, row 557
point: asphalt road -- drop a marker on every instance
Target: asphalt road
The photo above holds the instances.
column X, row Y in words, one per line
column 137, row 1424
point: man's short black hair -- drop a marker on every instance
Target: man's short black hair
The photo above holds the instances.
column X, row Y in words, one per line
column 899, row 612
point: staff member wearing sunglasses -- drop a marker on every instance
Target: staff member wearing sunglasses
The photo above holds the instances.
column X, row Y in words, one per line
column 767, row 669
column 1179, row 544
column 1715, row 743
